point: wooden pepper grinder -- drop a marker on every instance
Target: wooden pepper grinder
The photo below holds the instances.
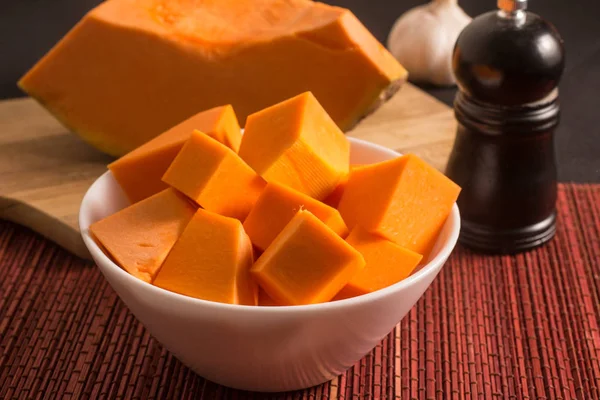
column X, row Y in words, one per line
column 507, row 64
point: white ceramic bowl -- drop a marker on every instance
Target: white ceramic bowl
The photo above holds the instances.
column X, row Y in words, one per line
column 264, row 348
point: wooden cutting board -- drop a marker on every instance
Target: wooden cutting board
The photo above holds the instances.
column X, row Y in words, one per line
column 45, row 170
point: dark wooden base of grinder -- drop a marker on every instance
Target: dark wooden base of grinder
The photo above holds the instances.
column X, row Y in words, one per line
column 486, row 240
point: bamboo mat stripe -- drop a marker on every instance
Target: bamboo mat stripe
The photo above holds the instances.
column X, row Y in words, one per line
column 511, row 327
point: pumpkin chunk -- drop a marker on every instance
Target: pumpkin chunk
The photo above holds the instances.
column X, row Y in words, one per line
column 214, row 176
column 404, row 200
column 297, row 144
column 139, row 172
column 140, row 236
column 334, row 198
column 211, row 261
column 265, row 300
column 306, row 263
column 163, row 60
column 276, row 207
column 386, row 264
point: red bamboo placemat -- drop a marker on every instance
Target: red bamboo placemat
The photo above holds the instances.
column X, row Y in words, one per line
column 524, row 326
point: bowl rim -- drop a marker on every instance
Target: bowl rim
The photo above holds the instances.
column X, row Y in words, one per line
column 440, row 258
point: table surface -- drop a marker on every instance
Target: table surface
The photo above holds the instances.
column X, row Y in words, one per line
column 489, row 327
column 29, row 28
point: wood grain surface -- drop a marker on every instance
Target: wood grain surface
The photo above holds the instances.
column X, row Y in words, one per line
column 45, row 170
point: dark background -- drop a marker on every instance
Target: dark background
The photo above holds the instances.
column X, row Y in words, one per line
column 28, row 28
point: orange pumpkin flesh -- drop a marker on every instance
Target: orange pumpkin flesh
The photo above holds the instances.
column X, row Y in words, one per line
column 131, row 69
column 140, row 172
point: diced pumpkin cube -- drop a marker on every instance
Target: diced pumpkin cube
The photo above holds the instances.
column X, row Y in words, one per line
column 306, row 263
column 215, row 177
column 223, row 126
column 386, row 264
column 276, row 207
column 140, row 236
column 334, row 198
column 295, row 143
column 140, row 172
column 404, row 199
column 265, row 300
column 211, row 261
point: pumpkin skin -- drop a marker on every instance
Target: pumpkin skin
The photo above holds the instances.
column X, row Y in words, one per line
column 131, row 69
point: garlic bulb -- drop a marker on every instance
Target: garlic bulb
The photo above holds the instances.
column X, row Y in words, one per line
column 423, row 38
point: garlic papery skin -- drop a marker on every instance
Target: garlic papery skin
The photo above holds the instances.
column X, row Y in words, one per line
column 423, row 38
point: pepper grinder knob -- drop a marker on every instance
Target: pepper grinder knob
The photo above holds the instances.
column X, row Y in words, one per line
column 511, row 6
